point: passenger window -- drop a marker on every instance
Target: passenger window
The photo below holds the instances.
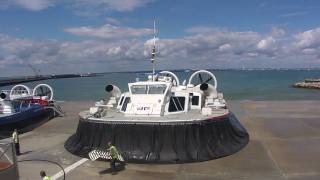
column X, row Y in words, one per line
column 176, row 103
column 121, row 100
column 125, row 103
column 195, row 100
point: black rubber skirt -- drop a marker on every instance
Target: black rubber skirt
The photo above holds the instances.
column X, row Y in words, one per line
column 162, row 142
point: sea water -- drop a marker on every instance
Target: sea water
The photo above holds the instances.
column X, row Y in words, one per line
column 235, row 84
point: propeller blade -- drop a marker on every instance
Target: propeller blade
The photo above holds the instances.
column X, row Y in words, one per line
column 47, row 92
column 200, row 77
column 42, row 92
column 208, row 80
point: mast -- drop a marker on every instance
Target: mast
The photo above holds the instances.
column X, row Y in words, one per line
column 35, row 71
column 153, row 54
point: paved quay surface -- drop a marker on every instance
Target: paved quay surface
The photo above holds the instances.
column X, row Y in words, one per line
column 284, row 145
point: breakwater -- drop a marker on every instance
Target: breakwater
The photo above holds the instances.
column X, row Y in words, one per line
column 308, row 83
column 13, row 81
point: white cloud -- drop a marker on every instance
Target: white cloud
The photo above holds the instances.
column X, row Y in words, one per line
column 32, row 5
column 294, row 14
column 217, row 49
column 113, row 21
column 277, row 32
column 98, row 7
column 201, row 30
column 82, row 7
column 109, row 31
column 114, row 50
column 123, row 5
column 225, row 47
column 307, row 39
column 310, row 51
column 266, row 43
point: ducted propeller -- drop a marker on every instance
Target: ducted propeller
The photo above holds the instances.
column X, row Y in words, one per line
column 113, row 90
column 3, row 95
column 203, row 79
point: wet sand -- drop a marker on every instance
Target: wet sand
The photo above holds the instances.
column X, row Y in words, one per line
column 284, row 144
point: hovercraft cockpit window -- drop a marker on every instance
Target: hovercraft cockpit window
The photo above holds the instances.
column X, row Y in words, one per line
column 148, row 89
column 139, row 89
column 157, row 89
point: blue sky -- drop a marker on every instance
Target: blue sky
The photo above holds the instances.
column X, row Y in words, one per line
column 62, row 36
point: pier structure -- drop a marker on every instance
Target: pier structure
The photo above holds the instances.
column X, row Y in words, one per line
column 13, row 81
column 308, row 83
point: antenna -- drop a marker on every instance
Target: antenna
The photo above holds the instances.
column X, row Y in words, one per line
column 153, row 54
column 35, row 71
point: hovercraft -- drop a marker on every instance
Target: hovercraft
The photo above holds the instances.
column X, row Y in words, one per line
column 21, row 108
column 160, row 120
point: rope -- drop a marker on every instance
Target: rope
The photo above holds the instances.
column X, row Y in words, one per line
column 42, row 160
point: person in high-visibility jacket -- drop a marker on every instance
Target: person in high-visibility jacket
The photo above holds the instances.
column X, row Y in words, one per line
column 114, row 155
column 44, row 175
column 15, row 139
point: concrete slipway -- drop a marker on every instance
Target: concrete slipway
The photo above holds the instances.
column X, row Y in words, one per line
column 284, row 144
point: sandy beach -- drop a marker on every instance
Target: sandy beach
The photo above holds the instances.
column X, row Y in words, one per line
column 284, row 144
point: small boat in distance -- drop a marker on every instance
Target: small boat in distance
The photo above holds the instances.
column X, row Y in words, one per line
column 21, row 108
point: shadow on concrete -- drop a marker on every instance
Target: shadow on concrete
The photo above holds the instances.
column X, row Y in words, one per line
column 24, row 153
column 118, row 168
column 26, row 125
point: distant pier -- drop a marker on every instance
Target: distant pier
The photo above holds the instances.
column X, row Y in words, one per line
column 13, row 81
column 308, row 83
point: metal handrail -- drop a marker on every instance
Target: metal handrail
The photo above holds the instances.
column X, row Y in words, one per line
column 15, row 91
